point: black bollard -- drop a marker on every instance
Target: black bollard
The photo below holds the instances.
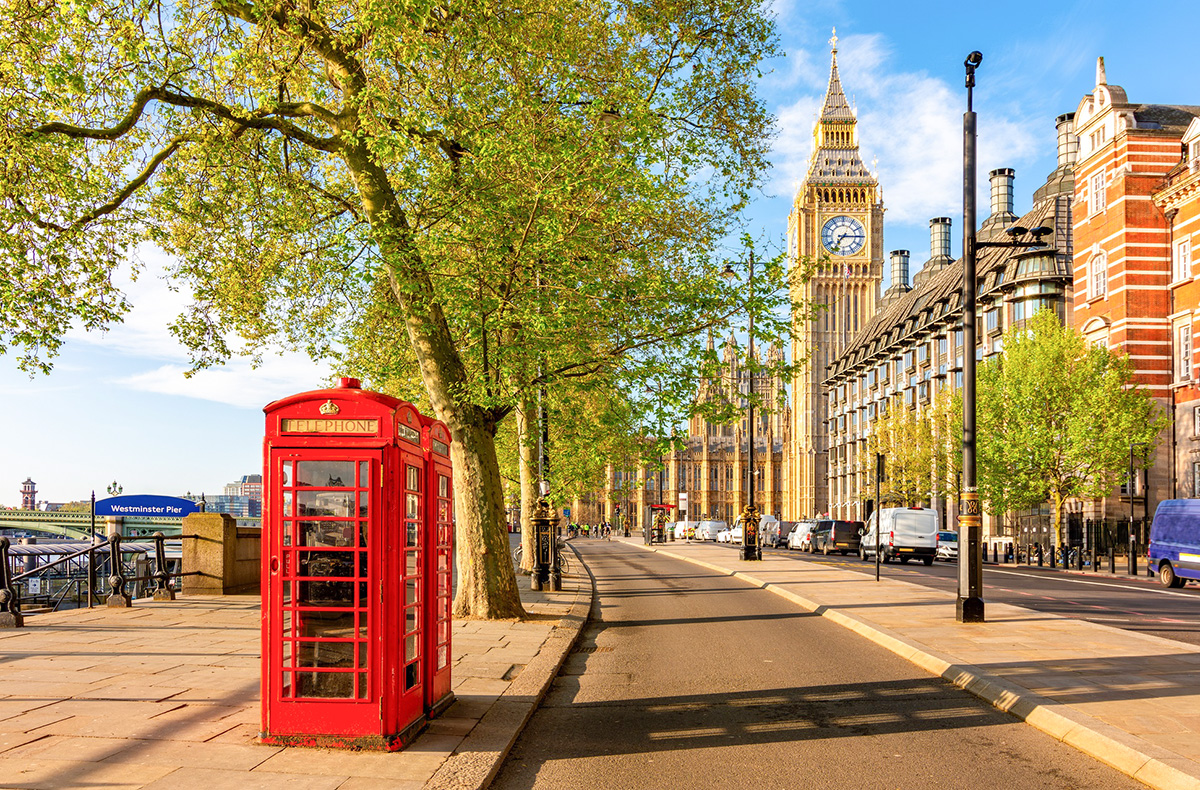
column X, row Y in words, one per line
column 995, row 553
column 1039, row 553
column 1112, row 559
column 1132, row 554
column 1053, row 557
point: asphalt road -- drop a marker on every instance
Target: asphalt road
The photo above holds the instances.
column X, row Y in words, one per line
column 690, row 679
column 1141, row 604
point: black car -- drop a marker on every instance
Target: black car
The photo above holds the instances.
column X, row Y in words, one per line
column 832, row 535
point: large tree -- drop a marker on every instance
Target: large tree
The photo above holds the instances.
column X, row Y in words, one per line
column 1057, row 417
column 522, row 191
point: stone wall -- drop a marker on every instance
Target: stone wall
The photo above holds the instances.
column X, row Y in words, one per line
column 227, row 557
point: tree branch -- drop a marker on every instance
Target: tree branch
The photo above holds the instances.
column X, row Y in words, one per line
column 257, row 119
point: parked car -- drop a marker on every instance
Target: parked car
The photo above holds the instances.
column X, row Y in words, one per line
column 801, row 536
column 832, row 535
column 1175, row 541
column 905, row 533
column 768, row 532
column 947, row 546
column 735, row 534
column 723, row 535
column 708, row 530
column 685, row 530
column 780, row 533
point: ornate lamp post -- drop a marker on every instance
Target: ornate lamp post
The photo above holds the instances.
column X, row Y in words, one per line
column 969, row 606
column 751, row 550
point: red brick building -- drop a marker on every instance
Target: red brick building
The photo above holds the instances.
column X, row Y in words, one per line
column 1135, row 213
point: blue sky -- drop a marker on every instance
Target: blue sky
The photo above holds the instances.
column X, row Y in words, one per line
column 117, row 406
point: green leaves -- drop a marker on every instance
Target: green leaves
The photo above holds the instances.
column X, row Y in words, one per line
column 1057, row 418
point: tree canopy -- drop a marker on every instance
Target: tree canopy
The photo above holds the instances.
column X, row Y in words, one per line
column 1057, row 417
column 497, row 195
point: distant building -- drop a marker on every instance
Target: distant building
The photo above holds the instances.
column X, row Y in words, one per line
column 913, row 347
column 713, row 469
column 241, row 498
column 29, row 494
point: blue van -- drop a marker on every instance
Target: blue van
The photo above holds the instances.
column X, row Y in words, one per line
column 1175, row 541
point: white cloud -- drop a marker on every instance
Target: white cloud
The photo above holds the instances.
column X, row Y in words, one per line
column 912, row 124
column 143, row 332
column 144, row 335
column 236, row 383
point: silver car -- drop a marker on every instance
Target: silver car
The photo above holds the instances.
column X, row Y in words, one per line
column 947, row 546
column 801, row 537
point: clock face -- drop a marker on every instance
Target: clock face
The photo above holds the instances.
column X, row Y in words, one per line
column 843, row 235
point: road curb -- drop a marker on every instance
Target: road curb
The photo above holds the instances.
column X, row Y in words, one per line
column 1126, row 753
column 479, row 757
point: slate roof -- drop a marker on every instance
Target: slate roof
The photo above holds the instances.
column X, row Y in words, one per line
column 939, row 298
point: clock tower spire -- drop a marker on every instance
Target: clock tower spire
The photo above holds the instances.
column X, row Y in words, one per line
column 835, row 230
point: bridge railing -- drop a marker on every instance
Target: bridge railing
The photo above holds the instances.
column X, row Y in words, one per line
column 119, row 578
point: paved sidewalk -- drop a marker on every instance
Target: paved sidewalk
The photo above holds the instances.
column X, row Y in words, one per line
column 1127, row 699
column 166, row 695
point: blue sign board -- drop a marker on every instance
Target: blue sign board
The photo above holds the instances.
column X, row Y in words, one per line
column 146, row 505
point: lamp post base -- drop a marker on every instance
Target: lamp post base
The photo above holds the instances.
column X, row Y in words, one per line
column 751, row 553
column 969, row 610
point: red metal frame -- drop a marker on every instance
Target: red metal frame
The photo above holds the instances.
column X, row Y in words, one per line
column 435, row 439
column 346, row 571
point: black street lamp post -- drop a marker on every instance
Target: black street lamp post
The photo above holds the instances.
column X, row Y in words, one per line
column 1132, row 569
column 751, row 545
column 969, row 605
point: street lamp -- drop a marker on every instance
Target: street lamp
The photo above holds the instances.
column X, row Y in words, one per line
column 969, row 605
column 114, row 489
column 1142, row 447
column 751, row 549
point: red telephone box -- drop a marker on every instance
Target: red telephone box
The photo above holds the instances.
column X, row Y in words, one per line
column 435, row 439
column 345, row 574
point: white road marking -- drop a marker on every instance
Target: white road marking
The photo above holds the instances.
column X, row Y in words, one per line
column 1095, row 584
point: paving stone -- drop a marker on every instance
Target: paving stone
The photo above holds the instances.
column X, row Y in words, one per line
column 22, row 774
column 222, row 779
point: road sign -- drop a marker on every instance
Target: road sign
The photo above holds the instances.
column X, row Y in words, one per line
column 683, row 506
column 566, row 512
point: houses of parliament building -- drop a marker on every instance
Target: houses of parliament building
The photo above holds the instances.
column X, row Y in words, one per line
column 836, row 223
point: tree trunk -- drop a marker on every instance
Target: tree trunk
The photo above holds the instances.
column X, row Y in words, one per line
column 487, row 584
column 527, row 462
column 1058, row 507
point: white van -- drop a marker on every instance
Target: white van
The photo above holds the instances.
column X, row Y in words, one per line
column 708, row 530
column 907, row 533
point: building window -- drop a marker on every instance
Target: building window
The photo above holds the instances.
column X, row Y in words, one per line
column 922, row 353
column 1183, row 352
column 1195, row 477
column 1182, row 269
column 1096, row 197
column 991, row 320
column 1097, row 276
column 1196, row 420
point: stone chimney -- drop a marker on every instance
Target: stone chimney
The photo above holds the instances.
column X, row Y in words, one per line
column 1002, row 193
column 939, row 239
column 900, row 269
column 1002, row 202
column 1068, row 143
column 939, row 250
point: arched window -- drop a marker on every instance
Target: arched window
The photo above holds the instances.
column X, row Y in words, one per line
column 1098, row 276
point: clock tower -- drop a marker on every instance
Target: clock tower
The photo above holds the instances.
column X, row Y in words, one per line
column 835, row 230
